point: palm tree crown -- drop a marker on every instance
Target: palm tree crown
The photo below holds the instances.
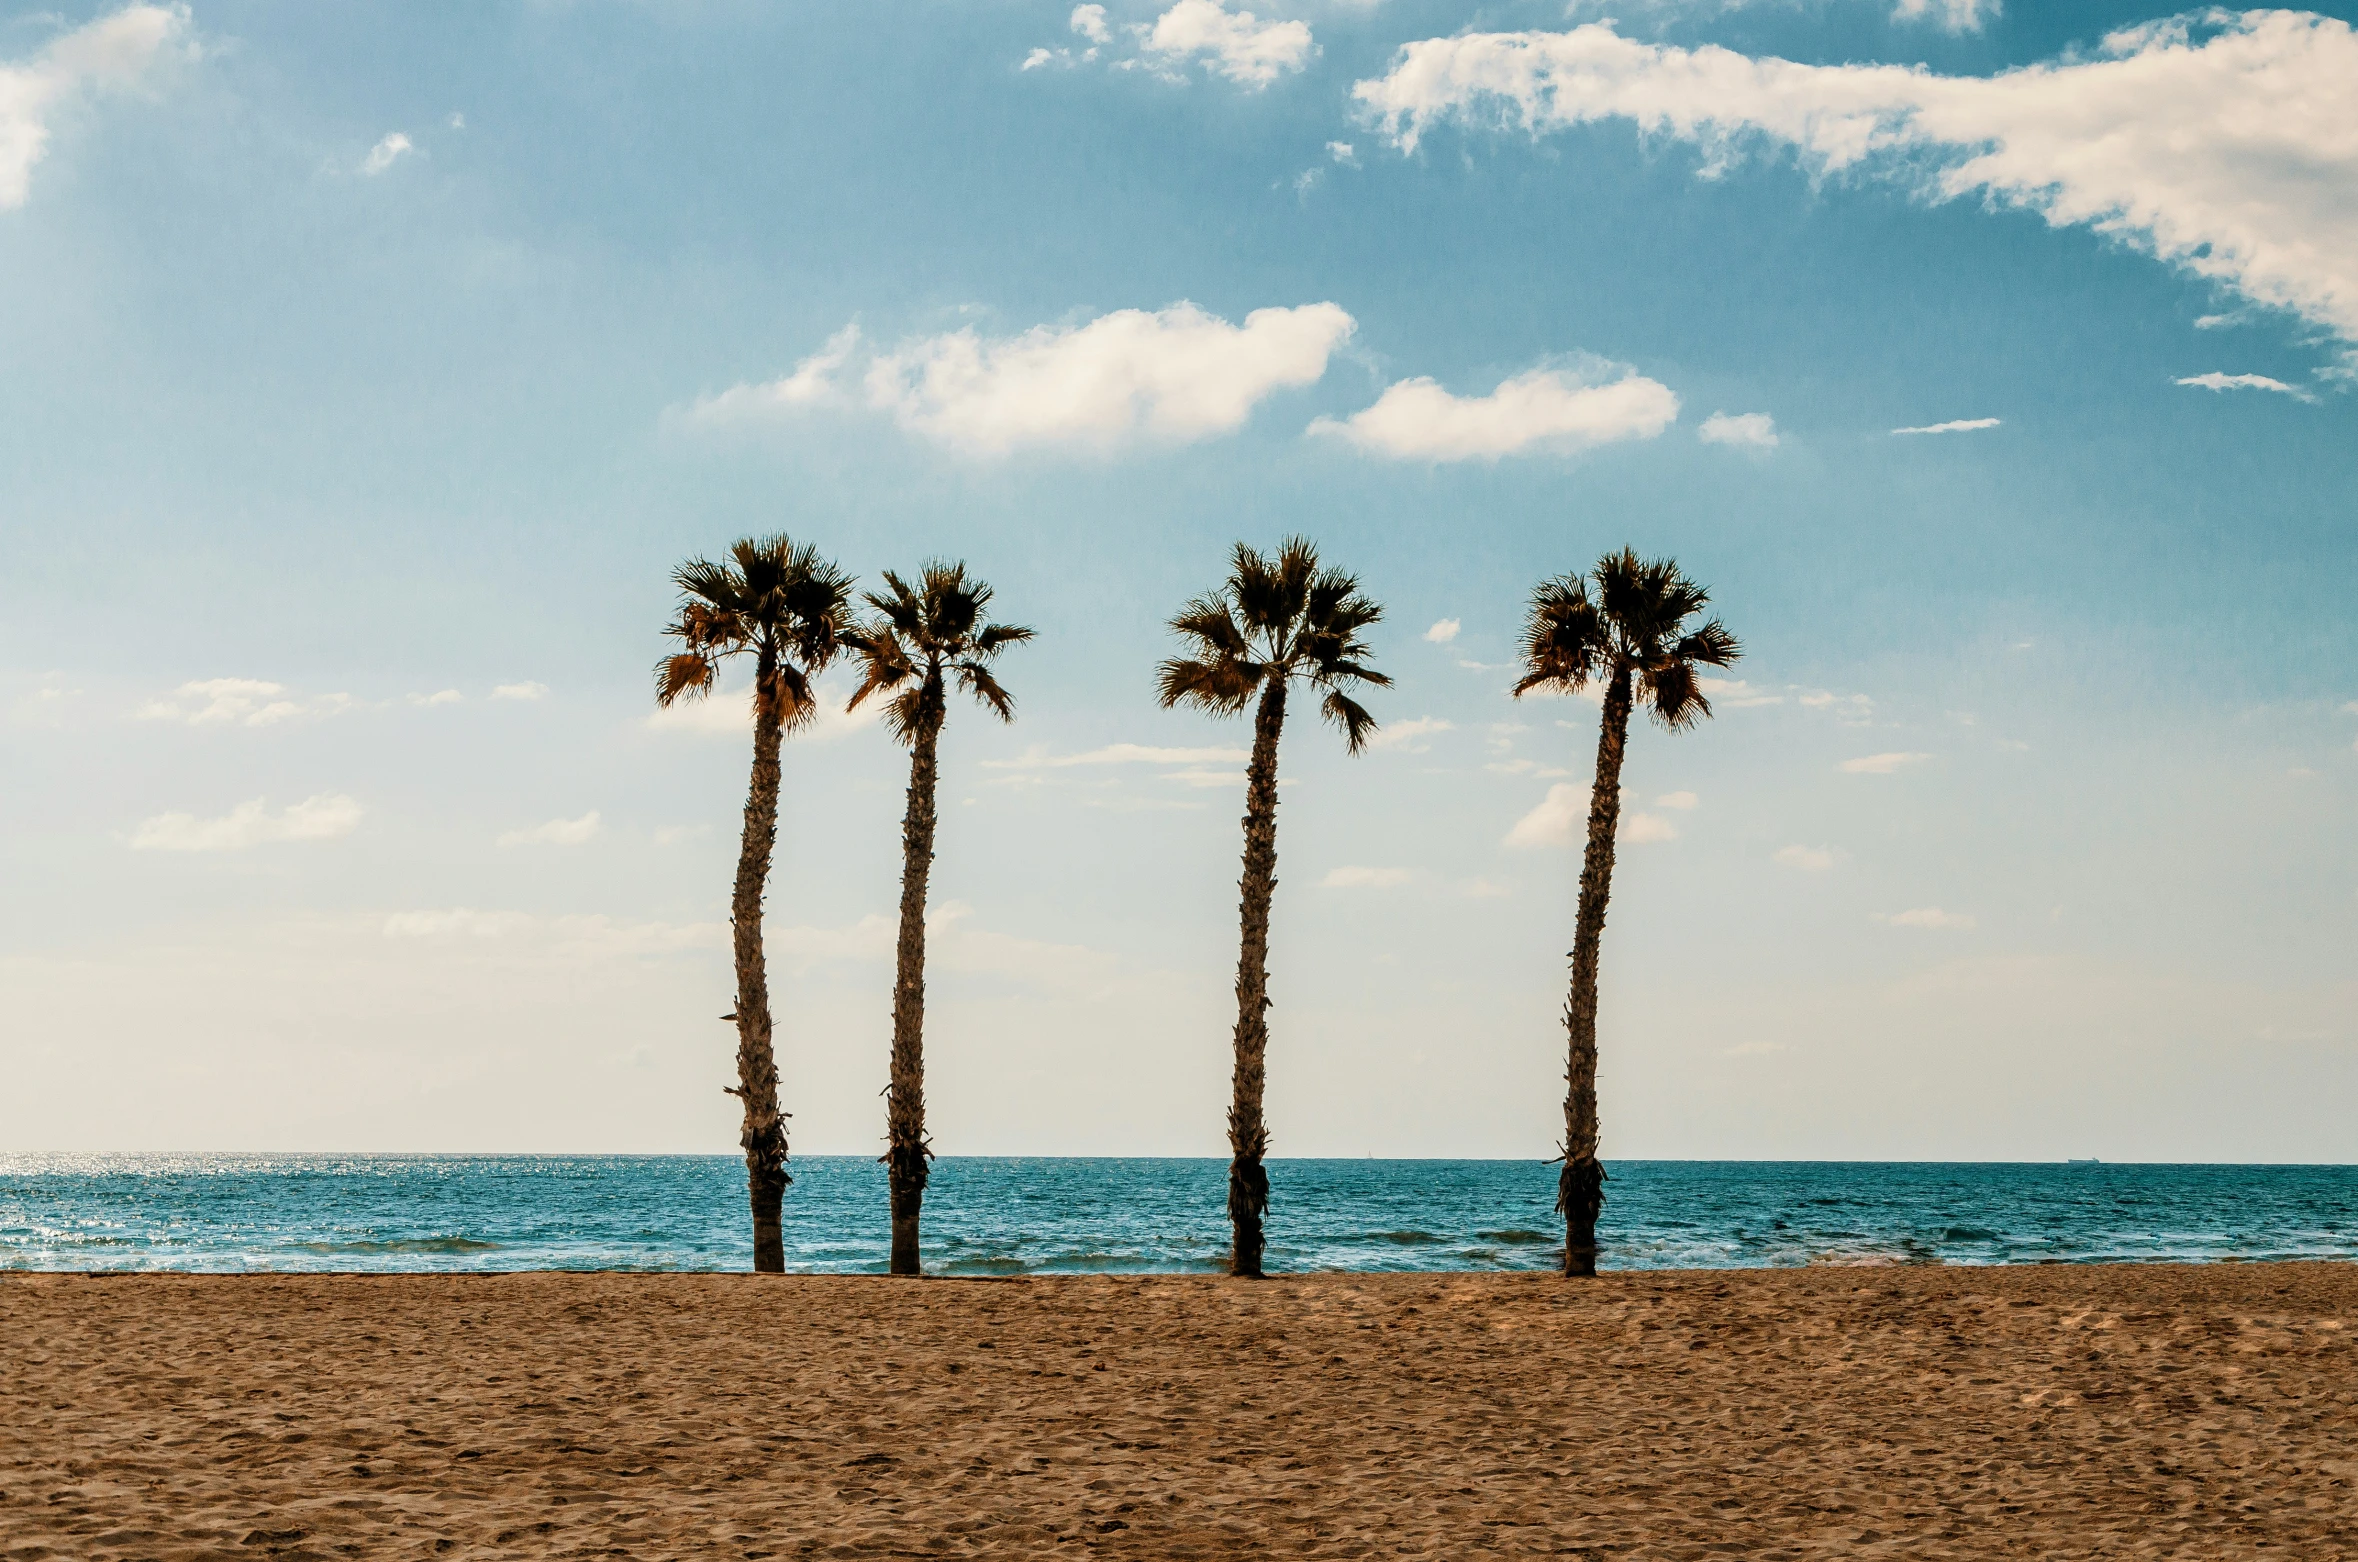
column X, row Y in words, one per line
column 924, row 635
column 1276, row 619
column 1634, row 624
column 774, row 597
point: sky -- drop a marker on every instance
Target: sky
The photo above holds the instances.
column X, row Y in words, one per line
column 368, row 369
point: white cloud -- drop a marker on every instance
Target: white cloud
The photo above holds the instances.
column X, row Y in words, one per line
column 1121, row 754
column 521, row 691
column 1443, row 631
column 2225, row 144
column 1810, row 859
column 323, row 818
column 1953, row 426
column 1540, row 410
column 1736, row 694
column 1952, row 16
column 1343, row 152
column 1684, row 802
column 116, row 53
column 1408, row 736
column 1852, row 709
column 386, row 153
column 1366, row 878
column 1234, row 44
column 811, row 384
column 1089, row 22
column 247, row 702
column 1561, row 819
column 457, row 922
column 1881, row 764
column 1931, row 917
column 457, row 120
column 557, row 832
column 1754, row 429
column 1171, row 375
column 438, row 697
column 2224, row 382
column 1206, row 778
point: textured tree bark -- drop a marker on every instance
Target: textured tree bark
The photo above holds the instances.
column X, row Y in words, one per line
column 1580, row 1191
column 1248, row 1135
column 907, row 1153
column 764, row 1137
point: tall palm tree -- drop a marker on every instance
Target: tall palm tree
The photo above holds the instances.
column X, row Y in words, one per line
column 1633, row 636
column 923, row 637
column 1275, row 620
column 778, row 601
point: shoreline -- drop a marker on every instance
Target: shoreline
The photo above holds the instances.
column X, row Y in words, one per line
column 2059, row 1410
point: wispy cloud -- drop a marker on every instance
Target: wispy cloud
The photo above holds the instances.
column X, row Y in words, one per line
column 521, row 691
column 1953, row 426
column 1561, row 819
column 1409, row 736
column 1120, row 754
column 557, row 832
column 244, row 702
column 1541, row 411
column 1810, row 859
column 2216, row 381
column 1931, row 918
column 386, row 153
column 1951, row 16
column 1234, row 44
column 2223, row 144
column 1443, row 631
column 1756, row 430
column 116, row 53
column 326, row 817
column 1881, row 764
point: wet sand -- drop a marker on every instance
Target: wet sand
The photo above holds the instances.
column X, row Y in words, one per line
column 1906, row 1413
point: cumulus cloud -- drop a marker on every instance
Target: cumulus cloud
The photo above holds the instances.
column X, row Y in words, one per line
column 1736, row 694
column 1409, row 736
column 1234, row 44
column 1561, row 819
column 1881, row 764
column 1684, row 802
column 1538, row 411
column 1953, row 426
column 1366, row 878
column 1089, row 22
column 528, row 690
column 1755, row 429
column 1443, row 631
column 1168, row 376
column 2225, row 144
column 1809, row 859
column 325, row 817
column 438, row 697
column 1931, row 917
column 117, row 53
column 386, row 153
column 557, row 832
column 245, row 702
column 2216, row 381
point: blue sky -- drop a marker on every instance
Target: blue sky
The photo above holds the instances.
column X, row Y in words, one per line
column 368, row 370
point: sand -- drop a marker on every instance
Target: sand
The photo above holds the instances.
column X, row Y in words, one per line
column 1907, row 1413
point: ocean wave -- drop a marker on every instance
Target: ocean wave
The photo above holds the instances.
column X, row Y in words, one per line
column 399, row 1245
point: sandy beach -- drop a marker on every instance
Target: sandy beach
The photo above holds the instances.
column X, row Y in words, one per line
column 1909, row 1413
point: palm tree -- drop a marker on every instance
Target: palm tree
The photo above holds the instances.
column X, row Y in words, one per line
column 1273, row 621
column 1632, row 635
column 922, row 638
column 778, row 600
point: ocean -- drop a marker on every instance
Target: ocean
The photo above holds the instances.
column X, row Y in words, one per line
column 1003, row 1216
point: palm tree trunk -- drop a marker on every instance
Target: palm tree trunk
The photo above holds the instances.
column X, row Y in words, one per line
column 1580, row 1191
column 1248, row 1135
column 764, row 1138
column 907, row 1152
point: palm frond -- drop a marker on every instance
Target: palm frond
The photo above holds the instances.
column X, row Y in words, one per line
column 994, row 638
column 1349, row 715
column 688, row 675
column 1673, row 697
column 1565, row 638
column 1209, row 622
column 976, row 680
column 787, row 693
column 1711, row 646
column 1222, row 685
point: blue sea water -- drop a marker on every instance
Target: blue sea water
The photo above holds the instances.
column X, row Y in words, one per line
column 989, row 1216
